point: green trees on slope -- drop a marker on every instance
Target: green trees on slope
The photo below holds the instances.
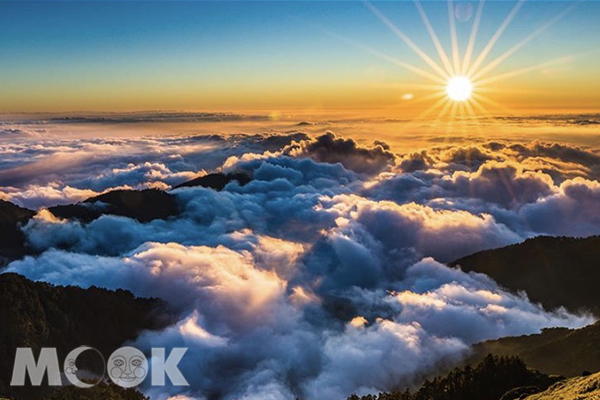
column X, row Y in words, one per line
column 36, row 315
column 489, row 380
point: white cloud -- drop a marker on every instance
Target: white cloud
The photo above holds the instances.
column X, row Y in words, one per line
column 318, row 278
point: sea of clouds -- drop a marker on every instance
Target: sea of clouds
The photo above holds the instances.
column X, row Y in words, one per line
column 322, row 277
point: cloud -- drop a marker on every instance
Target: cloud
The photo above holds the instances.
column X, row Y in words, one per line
column 320, row 277
column 556, row 119
column 137, row 117
column 573, row 154
column 53, row 193
column 143, row 175
column 363, row 359
column 46, row 172
column 13, row 132
column 331, row 149
column 443, row 234
column 248, row 337
column 506, row 184
column 574, row 210
column 553, row 158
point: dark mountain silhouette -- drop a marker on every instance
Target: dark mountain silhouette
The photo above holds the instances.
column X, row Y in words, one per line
column 37, row 315
column 217, row 181
column 561, row 351
column 491, row 379
column 12, row 240
column 553, row 271
column 142, row 205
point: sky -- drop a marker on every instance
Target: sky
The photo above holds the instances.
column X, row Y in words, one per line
column 288, row 55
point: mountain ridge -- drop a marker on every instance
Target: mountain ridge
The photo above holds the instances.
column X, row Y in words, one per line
column 38, row 314
column 554, row 271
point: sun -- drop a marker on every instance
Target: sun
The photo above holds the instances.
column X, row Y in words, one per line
column 458, row 82
column 459, row 88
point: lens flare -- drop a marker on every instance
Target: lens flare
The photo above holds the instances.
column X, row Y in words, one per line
column 459, row 88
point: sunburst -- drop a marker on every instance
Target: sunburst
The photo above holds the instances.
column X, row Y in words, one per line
column 459, row 84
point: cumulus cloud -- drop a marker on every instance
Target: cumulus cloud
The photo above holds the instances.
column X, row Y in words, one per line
column 574, row 210
column 34, row 197
column 503, row 183
column 45, row 172
column 248, row 337
column 443, row 234
column 561, row 161
column 322, row 276
column 331, row 149
column 364, row 359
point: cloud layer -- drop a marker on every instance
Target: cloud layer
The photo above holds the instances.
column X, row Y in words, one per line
column 324, row 275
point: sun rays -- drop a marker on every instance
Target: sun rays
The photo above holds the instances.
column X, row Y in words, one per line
column 460, row 81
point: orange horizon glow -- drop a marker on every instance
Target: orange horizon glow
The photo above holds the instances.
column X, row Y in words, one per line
column 406, row 80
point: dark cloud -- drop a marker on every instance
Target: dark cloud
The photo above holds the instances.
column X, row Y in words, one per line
column 415, row 162
column 468, row 157
column 331, row 149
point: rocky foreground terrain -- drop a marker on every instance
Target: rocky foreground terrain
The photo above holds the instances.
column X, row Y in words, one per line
column 581, row 388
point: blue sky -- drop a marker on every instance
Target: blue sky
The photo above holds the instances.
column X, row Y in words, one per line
column 213, row 54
